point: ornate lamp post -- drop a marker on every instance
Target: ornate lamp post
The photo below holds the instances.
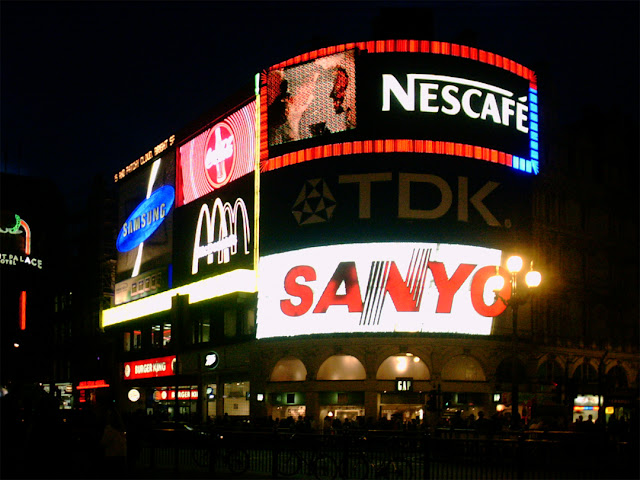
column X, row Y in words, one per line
column 514, row 299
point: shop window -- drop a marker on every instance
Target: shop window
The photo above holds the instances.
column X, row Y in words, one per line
column 230, row 322
column 248, row 326
column 137, row 339
column 166, row 334
column 405, row 365
column 463, row 368
column 341, row 367
column 202, row 330
column 236, row 398
column 127, row 341
column 289, row 369
column 156, row 336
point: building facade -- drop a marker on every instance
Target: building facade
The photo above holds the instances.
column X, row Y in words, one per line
column 323, row 249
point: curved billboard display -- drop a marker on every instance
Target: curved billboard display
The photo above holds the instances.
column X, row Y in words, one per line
column 378, row 287
column 435, row 97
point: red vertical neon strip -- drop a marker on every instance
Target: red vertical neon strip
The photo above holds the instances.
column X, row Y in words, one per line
column 22, row 310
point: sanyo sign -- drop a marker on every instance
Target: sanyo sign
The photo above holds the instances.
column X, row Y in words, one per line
column 221, row 228
column 442, row 94
column 378, row 287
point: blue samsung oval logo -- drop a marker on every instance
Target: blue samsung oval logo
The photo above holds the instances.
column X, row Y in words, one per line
column 145, row 219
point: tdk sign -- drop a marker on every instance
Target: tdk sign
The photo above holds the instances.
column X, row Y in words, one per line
column 145, row 219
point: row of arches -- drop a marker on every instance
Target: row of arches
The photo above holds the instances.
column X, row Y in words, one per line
column 458, row 368
column 348, row 367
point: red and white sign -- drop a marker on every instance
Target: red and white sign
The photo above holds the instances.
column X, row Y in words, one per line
column 161, row 394
column 86, row 384
column 378, row 287
column 219, row 155
column 152, row 367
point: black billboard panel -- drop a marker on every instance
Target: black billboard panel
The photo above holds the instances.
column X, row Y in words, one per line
column 443, row 98
column 215, row 234
column 392, row 197
column 146, row 201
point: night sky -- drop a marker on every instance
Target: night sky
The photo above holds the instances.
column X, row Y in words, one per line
column 88, row 87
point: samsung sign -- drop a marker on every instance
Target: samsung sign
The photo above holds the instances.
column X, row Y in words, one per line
column 145, row 218
column 378, row 287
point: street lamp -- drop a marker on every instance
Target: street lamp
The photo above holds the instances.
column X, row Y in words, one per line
column 514, row 299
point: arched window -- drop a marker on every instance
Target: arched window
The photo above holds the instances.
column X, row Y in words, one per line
column 405, row 365
column 550, row 372
column 616, row 378
column 289, row 369
column 504, row 372
column 463, row 368
column 341, row 367
column 585, row 374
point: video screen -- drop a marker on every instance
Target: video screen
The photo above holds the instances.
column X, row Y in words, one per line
column 217, row 156
column 312, row 99
column 145, row 212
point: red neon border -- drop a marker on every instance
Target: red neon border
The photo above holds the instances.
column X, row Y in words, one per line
column 390, row 46
column 387, row 146
column 418, row 46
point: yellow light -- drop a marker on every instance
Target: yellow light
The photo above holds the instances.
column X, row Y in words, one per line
column 500, row 407
column 416, row 359
column 608, row 410
column 533, row 279
column 514, row 264
column 235, row 281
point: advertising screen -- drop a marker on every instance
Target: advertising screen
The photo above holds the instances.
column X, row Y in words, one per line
column 215, row 233
column 311, row 99
column 392, row 197
column 433, row 97
column 145, row 212
column 219, row 155
column 377, row 287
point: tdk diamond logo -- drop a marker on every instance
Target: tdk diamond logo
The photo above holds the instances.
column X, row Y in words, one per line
column 315, row 203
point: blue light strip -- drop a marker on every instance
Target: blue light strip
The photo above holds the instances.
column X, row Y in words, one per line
column 531, row 165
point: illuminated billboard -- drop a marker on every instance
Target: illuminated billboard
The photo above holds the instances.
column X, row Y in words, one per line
column 377, row 287
column 311, row 99
column 144, row 241
column 215, row 233
column 221, row 154
column 392, row 197
column 149, row 368
column 15, row 242
column 421, row 97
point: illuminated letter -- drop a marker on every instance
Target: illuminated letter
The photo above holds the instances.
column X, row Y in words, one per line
column 346, row 272
column 466, row 102
column 451, row 100
column 404, row 195
column 407, row 99
column 490, row 107
column 364, row 181
column 399, row 291
column 477, row 292
column 507, row 110
column 521, row 117
column 303, row 292
column 447, row 288
column 426, row 95
column 476, row 201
